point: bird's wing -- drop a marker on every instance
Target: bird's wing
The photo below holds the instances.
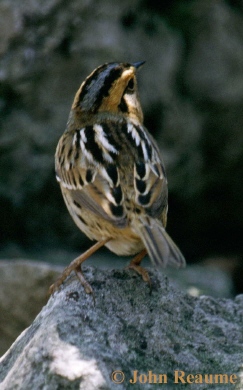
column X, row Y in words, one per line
column 88, row 164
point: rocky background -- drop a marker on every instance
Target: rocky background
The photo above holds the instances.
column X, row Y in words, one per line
column 191, row 90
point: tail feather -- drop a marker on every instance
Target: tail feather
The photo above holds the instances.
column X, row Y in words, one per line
column 161, row 248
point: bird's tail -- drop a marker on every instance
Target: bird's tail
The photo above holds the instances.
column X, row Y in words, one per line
column 160, row 247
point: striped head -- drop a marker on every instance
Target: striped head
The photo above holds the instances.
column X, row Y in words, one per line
column 110, row 88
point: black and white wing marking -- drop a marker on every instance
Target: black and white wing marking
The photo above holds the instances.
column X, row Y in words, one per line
column 86, row 166
column 150, row 181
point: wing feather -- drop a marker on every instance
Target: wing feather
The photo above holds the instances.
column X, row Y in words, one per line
column 90, row 164
column 94, row 184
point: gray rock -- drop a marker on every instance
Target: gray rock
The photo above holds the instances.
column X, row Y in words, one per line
column 23, row 293
column 24, row 285
column 215, row 282
column 73, row 344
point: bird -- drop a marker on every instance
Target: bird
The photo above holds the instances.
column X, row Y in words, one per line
column 112, row 176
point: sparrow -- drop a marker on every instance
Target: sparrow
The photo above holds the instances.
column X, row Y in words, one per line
column 111, row 173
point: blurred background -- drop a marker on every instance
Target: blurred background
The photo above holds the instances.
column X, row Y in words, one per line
column 191, row 89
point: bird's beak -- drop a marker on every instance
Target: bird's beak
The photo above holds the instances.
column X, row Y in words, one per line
column 138, row 64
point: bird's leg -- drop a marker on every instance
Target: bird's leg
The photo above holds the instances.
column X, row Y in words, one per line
column 135, row 265
column 75, row 265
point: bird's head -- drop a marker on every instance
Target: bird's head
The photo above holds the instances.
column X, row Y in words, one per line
column 111, row 88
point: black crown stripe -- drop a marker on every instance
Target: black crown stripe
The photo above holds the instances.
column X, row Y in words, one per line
column 113, row 75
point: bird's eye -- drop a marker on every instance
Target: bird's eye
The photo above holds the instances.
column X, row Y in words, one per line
column 130, row 86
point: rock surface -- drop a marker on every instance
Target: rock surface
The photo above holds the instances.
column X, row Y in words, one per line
column 73, row 344
column 23, row 293
column 24, row 285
